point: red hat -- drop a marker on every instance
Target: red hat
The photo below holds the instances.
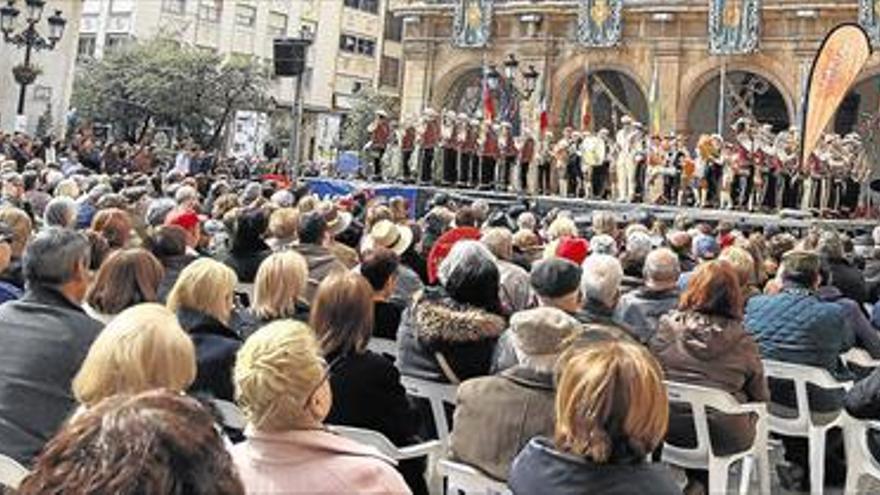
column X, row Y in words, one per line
column 185, row 218
column 444, row 244
column 574, row 249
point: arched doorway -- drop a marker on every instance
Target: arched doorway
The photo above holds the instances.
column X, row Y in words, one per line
column 859, row 108
column 747, row 95
column 613, row 95
column 465, row 94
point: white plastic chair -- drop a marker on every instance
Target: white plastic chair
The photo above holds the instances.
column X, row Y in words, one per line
column 860, row 358
column 385, row 446
column 859, row 460
column 230, row 414
column 11, row 472
column 436, row 394
column 803, row 425
column 383, row 346
column 462, row 478
column 701, row 457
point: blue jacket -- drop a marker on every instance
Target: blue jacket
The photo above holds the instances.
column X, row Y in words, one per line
column 797, row 327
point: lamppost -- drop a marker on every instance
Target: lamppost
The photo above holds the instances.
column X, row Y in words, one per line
column 507, row 84
column 29, row 38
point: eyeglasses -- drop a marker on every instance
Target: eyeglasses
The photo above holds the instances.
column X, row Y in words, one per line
column 329, row 368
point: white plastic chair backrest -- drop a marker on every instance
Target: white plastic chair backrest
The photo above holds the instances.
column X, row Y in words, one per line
column 11, row 472
column 368, row 437
column 469, row 479
column 230, row 413
column 858, row 454
column 699, row 398
column 383, row 346
column 860, row 357
column 437, row 394
column 800, row 375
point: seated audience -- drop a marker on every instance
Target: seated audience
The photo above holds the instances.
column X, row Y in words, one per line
column 338, row 224
column 400, row 240
column 114, row 225
column 611, row 413
column 744, row 264
column 278, row 290
column 283, row 387
column 704, row 343
column 866, row 336
column 282, row 228
column 202, row 299
column 8, row 291
column 495, row 416
column 168, row 245
column 126, row 278
column 154, row 442
column 248, row 248
column 189, row 221
column 516, row 294
column 381, row 267
column 449, row 332
column 143, row 349
column 366, row 386
column 641, row 309
column 22, row 227
column 314, row 237
column 46, row 335
column 600, row 286
column 847, row 278
column 60, row 212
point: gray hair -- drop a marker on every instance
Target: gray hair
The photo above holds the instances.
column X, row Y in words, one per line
column 601, row 279
column 830, row 245
column 499, row 241
column 662, row 266
column 463, row 255
column 158, row 210
column 481, row 208
column 52, row 256
column 603, row 244
column 186, row 193
column 527, row 221
column 60, row 212
column 283, row 198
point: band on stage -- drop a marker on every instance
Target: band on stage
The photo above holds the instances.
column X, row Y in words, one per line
column 755, row 170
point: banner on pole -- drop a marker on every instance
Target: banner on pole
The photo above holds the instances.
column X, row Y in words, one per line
column 734, row 26
column 599, row 22
column 869, row 19
column 472, row 25
column 840, row 59
column 656, row 108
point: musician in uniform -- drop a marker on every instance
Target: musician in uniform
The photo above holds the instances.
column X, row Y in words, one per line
column 450, row 151
column 789, row 174
column 509, row 153
column 560, row 160
column 526, row 156
column 462, row 131
column 545, row 162
column 470, row 169
column 743, row 166
column 380, row 135
column 489, row 153
column 594, row 149
column 858, row 171
column 407, row 144
column 429, row 138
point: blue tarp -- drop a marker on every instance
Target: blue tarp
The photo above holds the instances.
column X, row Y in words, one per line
column 334, row 187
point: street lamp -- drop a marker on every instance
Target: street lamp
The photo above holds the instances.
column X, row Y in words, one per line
column 493, row 77
column 510, row 66
column 507, row 83
column 29, row 38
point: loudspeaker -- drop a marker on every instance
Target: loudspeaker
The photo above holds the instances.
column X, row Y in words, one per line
column 290, row 56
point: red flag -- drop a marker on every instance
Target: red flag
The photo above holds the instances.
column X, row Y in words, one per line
column 488, row 103
column 586, row 104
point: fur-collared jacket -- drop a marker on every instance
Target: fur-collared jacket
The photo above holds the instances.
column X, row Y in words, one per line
column 436, row 325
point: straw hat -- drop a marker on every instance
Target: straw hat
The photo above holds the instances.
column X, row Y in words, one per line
column 337, row 221
column 389, row 235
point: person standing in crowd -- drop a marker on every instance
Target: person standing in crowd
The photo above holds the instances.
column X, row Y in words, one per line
column 641, row 309
column 314, row 238
column 202, row 299
column 704, row 343
column 283, row 387
column 449, row 332
column 496, row 416
column 126, row 278
column 366, row 386
column 611, row 413
column 46, row 335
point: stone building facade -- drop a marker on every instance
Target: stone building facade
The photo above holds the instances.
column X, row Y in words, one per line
column 666, row 37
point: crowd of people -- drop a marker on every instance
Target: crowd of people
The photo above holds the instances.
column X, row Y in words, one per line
column 756, row 170
column 133, row 301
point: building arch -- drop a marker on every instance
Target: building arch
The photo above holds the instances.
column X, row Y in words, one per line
column 613, row 94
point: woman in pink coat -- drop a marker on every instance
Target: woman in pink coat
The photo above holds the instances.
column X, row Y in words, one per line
column 282, row 386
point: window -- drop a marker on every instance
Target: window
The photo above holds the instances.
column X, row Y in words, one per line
column 86, row 46
column 115, row 41
column 119, row 6
column 210, row 10
column 389, row 72
column 371, row 6
column 348, row 43
column 277, row 24
column 245, row 15
column 393, row 28
column 174, row 6
column 366, row 47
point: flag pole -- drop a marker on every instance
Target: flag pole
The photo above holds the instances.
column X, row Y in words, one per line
column 721, row 97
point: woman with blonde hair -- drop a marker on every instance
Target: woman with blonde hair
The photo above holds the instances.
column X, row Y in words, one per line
column 283, row 223
column 202, row 299
column 279, row 288
column 143, row 349
column 282, row 385
column 611, row 413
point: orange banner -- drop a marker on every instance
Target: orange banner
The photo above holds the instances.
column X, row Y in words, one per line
column 843, row 55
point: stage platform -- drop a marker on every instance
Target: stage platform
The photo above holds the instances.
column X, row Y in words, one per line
column 420, row 197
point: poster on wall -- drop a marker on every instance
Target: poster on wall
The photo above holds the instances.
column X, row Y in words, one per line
column 734, row 26
column 599, row 23
column 472, row 25
column 869, row 19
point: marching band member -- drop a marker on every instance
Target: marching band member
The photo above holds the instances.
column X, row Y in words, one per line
column 509, row 153
column 729, row 158
column 471, row 148
column 450, row 152
column 380, row 135
column 526, row 156
column 407, row 144
column 429, row 138
column 489, row 152
column 766, row 169
column 787, row 152
column 545, row 162
column 743, row 166
column 707, row 167
column 560, row 160
column 594, row 155
column 464, row 148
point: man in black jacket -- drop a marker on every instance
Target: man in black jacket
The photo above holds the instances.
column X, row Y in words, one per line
column 45, row 338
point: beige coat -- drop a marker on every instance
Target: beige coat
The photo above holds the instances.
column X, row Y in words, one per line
column 313, row 462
